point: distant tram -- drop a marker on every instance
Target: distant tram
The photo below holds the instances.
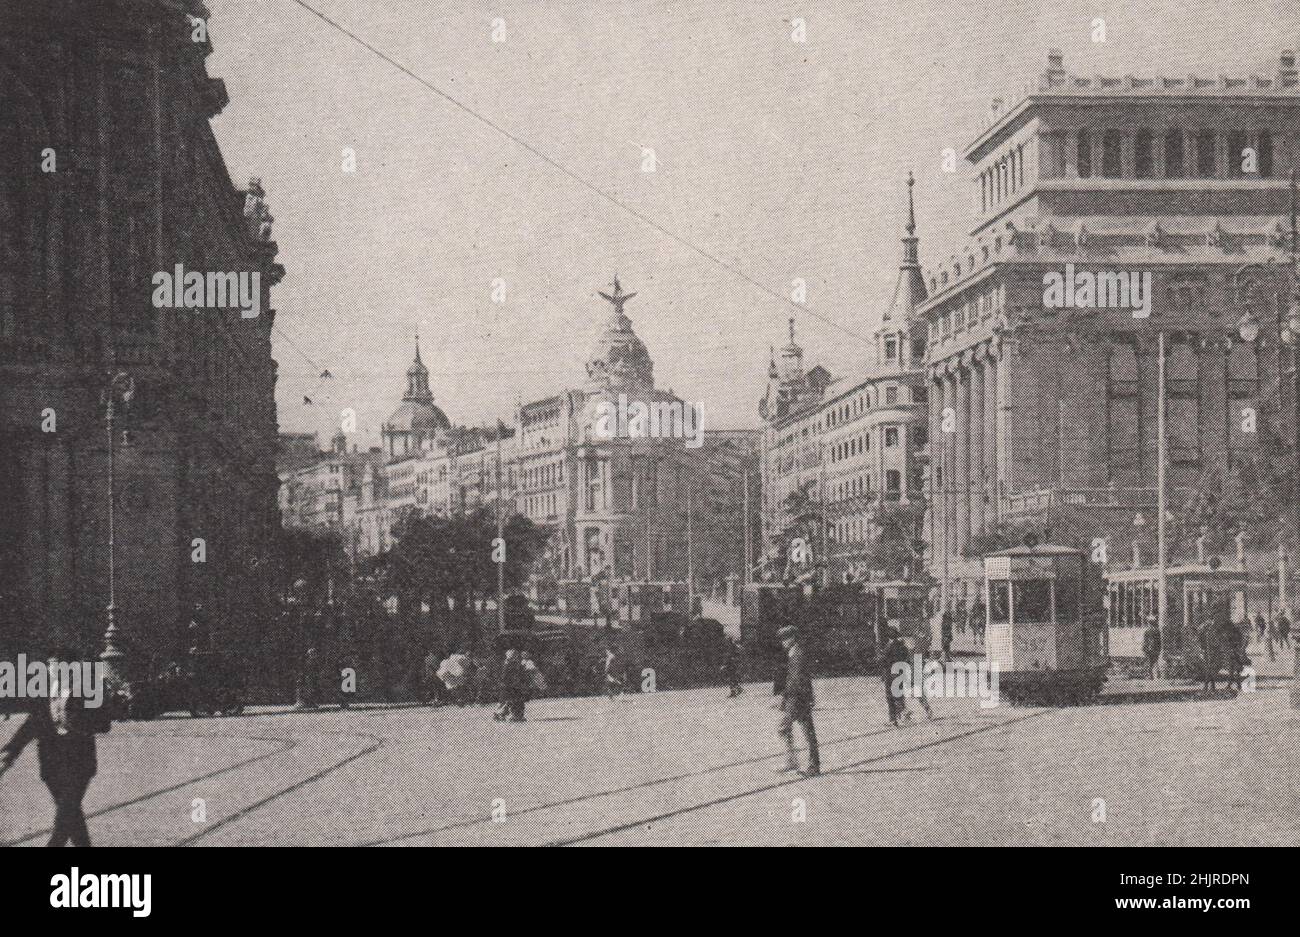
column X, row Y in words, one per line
column 1194, row 591
column 1046, row 629
column 842, row 623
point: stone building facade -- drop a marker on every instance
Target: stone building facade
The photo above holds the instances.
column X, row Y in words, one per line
column 617, row 502
column 851, row 444
column 1162, row 193
column 111, row 174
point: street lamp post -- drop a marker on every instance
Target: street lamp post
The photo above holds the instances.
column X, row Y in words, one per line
column 1288, row 332
column 122, row 386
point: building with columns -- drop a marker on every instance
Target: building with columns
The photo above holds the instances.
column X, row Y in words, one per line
column 1149, row 196
column 109, row 173
column 854, row 443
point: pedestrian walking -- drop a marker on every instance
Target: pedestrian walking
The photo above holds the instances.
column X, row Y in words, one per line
column 978, row 618
column 945, row 634
column 894, row 652
column 1232, row 642
column 1151, row 646
column 1261, row 626
column 514, row 689
column 1272, row 637
column 797, row 702
column 64, row 730
column 1207, row 636
column 732, row 668
column 614, row 675
column 921, row 642
column 1283, row 630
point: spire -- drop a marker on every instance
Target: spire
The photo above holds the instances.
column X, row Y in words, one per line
column 771, row 361
column 910, row 288
column 911, row 212
column 417, row 377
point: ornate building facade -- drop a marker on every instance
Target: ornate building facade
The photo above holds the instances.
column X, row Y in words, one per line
column 620, row 503
column 111, row 174
column 853, row 444
column 1163, row 194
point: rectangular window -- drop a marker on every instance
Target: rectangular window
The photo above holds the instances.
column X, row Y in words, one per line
column 1110, row 155
column 1083, row 155
column 891, row 349
column 891, row 436
column 891, row 396
column 1205, row 141
column 1236, row 153
column 1174, row 163
column 1142, row 166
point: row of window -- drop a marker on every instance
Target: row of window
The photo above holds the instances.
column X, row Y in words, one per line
column 1004, row 178
column 1183, row 153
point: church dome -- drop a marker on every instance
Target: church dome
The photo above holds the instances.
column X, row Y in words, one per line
column 418, row 416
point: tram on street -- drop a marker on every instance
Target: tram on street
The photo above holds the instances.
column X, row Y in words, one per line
column 1046, row 630
column 1194, row 591
column 843, row 623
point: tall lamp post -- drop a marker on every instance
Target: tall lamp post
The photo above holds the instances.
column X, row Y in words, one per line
column 1287, row 324
column 120, row 388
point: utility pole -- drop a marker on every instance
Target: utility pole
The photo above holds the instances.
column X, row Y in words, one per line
column 501, row 567
column 690, row 553
column 1162, row 495
column 748, row 540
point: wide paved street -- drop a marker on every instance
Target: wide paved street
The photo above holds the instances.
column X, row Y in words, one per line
column 693, row 767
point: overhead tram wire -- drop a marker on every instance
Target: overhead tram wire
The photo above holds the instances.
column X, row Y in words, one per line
column 582, row 181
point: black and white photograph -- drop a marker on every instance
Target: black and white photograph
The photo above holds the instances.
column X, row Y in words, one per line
column 556, row 422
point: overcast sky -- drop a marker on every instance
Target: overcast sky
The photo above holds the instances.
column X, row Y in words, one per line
column 780, row 159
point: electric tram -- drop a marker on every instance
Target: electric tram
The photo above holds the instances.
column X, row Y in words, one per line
column 1194, row 591
column 1046, row 630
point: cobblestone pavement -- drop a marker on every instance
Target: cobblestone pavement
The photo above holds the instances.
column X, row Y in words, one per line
column 694, row 767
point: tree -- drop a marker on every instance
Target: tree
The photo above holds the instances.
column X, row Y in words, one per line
column 804, row 518
column 894, row 545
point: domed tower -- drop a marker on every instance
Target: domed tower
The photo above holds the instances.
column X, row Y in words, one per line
column 619, row 360
column 895, row 347
column 417, row 421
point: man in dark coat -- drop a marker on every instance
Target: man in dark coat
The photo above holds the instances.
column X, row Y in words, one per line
column 945, row 634
column 514, row 688
column 894, row 652
column 1208, row 637
column 797, row 703
column 1151, row 645
column 64, row 730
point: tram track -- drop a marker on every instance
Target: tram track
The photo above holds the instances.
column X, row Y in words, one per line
column 286, row 745
column 614, row 791
column 375, row 743
column 591, row 835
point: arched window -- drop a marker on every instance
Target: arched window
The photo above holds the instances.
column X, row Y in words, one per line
column 1174, row 162
column 1265, row 154
column 1142, row 154
column 1083, row 155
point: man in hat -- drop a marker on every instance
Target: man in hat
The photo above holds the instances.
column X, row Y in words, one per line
column 64, row 729
column 894, row 652
column 797, row 703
